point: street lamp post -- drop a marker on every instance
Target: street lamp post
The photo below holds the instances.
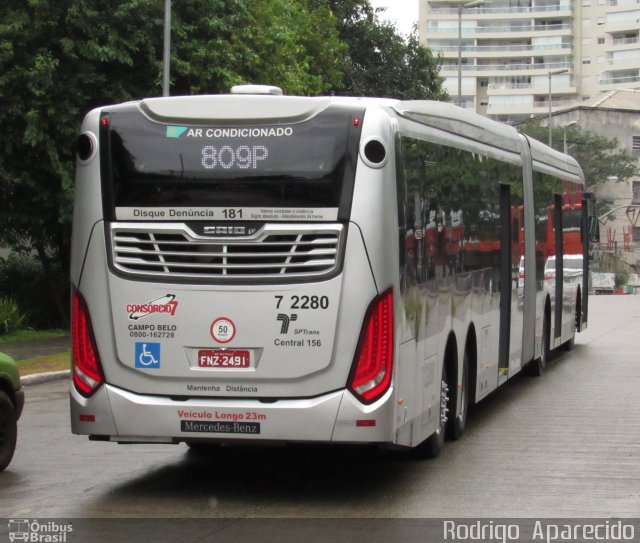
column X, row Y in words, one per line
column 555, row 72
column 460, row 8
column 166, row 57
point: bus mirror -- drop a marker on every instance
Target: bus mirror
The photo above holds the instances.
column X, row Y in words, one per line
column 594, row 229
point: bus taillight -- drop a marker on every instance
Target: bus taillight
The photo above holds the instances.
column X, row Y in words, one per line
column 87, row 372
column 373, row 363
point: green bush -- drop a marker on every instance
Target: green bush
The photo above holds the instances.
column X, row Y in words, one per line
column 622, row 278
column 23, row 280
column 11, row 319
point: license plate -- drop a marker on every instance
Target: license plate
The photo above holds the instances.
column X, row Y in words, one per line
column 224, row 358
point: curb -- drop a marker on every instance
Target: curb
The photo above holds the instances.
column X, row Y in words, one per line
column 37, row 378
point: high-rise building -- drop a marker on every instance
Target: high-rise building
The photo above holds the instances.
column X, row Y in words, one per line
column 515, row 54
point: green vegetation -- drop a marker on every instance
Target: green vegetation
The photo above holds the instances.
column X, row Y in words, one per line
column 23, row 280
column 61, row 58
column 41, row 364
column 10, row 317
column 622, row 277
column 25, row 335
column 379, row 61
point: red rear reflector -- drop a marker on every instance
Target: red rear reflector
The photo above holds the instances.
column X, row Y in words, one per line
column 87, row 372
column 87, row 418
column 356, row 122
column 366, row 422
column 373, row 363
column 104, row 121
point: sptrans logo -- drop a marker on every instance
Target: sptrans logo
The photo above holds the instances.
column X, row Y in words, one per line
column 165, row 305
column 39, row 532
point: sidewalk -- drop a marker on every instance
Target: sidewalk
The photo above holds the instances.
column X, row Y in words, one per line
column 30, row 349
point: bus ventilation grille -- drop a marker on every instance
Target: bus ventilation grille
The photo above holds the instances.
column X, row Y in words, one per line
column 174, row 251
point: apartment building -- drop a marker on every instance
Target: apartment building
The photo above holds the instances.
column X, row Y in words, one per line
column 512, row 51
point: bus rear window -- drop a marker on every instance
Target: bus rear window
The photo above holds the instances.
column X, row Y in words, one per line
column 299, row 165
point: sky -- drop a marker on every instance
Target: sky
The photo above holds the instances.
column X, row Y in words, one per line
column 404, row 13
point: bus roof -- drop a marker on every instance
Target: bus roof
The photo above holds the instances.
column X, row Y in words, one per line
column 450, row 118
column 439, row 115
column 456, row 120
column 243, row 106
column 548, row 160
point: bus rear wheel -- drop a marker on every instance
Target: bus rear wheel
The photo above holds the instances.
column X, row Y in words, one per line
column 457, row 423
column 537, row 367
column 568, row 345
column 432, row 446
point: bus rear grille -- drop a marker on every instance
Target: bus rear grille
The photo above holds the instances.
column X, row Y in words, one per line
column 174, row 251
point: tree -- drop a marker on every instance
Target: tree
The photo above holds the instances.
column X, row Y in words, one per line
column 380, row 62
column 218, row 43
column 61, row 58
column 598, row 156
column 48, row 80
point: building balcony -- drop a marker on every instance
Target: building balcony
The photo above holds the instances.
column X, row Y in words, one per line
column 624, row 63
column 629, row 25
column 609, row 82
column 624, row 43
column 619, row 46
column 622, row 5
column 434, row 12
column 503, row 31
column 509, row 89
column 499, row 51
column 506, row 70
column 528, row 108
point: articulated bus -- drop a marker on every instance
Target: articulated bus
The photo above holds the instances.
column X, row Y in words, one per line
column 258, row 267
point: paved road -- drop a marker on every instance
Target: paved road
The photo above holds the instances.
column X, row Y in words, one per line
column 565, row 445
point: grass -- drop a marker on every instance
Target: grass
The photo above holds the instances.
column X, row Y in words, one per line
column 49, row 362
column 30, row 335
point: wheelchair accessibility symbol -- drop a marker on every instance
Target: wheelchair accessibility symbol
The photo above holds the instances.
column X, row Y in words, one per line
column 147, row 355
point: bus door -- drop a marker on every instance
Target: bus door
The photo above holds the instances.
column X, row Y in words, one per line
column 511, row 316
column 590, row 237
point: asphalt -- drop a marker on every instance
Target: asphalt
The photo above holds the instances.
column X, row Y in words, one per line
column 565, row 445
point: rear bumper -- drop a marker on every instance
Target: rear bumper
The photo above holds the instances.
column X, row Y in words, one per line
column 122, row 416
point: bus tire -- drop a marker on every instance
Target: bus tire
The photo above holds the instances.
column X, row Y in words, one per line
column 431, row 447
column 8, row 430
column 537, row 367
column 457, row 423
column 568, row 345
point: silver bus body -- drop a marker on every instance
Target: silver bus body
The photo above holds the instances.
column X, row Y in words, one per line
column 310, row 269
